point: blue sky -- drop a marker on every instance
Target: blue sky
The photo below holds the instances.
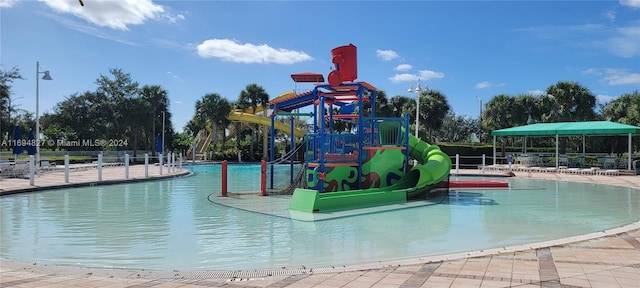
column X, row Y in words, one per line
column 465, row 49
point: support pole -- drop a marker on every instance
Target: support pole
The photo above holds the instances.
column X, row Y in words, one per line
column 126, row 166
column 161, row 160
column 32, row 170
column 273, row 148
column 66, row 168
column 100, row 166
column 629, row 154
column 457, row 163
column 484, row 162
column 494, row 149
column 224, row 177
column 263, row 178
column 292, row 147
column 557, row 152
column 146, row 165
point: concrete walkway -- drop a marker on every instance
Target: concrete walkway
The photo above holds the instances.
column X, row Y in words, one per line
column 86, row 175
column 605, row 259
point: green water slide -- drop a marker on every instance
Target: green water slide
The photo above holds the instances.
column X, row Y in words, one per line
column 434, row 166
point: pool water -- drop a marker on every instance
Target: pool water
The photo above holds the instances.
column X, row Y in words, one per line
column 170, row 224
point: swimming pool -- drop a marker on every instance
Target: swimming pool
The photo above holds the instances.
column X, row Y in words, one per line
column 170, row 225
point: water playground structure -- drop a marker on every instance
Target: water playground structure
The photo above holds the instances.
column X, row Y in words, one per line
column 368, row 166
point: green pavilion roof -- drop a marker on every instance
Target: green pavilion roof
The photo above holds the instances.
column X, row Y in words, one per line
column 569, row 128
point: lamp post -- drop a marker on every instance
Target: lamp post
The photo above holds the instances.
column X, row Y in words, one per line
column 480, row 121
column 417, row 91
column 45, row 77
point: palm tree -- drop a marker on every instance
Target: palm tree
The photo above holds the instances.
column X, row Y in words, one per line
column 214, row 109
column 400, row 105
column 433, row 108
column 253, row 96
column 567, row 101
column 624, row 109
column 498, row 114
column 133, row 110
column 156, row 97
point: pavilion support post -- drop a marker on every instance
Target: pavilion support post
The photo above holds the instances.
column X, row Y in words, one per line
column 557, row 152
column 629, row 154
column 494, row 149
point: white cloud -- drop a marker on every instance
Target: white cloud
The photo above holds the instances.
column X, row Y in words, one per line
column 386, row 55
column 7, row 3
column 621, row 41
column 625, row 43
column 536, row 92
column 615, row 77
column 604, row 99
column 405, row 77
column 90, row 30
column 114, row 14
column 403, row 67
column 422, row 74
column 428, row 74
column 610, row 15
column 483, row 85
column 630, row 3
column 621, row 77
column 234, row 51
column 174, row 76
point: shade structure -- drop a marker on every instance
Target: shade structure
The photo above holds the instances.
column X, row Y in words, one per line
column 569, row 128
column 159, row 143
column 601, row 128
column 17, row 141
column 31, row 147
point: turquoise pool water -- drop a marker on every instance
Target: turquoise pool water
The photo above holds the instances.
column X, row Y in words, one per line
column 170, row 224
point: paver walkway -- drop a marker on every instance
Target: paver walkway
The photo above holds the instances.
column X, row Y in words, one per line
column 606, row 259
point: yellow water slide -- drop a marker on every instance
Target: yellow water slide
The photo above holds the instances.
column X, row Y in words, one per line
column 265, row 121
column 248, row 117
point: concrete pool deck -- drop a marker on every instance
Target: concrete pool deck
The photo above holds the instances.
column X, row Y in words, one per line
column 603, row 259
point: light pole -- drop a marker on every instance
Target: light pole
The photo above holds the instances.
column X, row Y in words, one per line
column 480, row 121
column 417, row 91
column 45, row 77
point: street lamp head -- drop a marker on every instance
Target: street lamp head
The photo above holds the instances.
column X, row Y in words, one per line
column 418, row 89
column 410, row 89
column 46, row 76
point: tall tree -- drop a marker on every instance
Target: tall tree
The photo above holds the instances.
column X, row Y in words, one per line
column 6, row 107
column 117, row 89
column 254, row 95
column 433, row 108
column 214, row 109
column 456, row 128
column 400, row 105
column 567, row 101
column 157, row 100
column 499, row 113
column 81, row 116
column 383, row 109
column 624, row 109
